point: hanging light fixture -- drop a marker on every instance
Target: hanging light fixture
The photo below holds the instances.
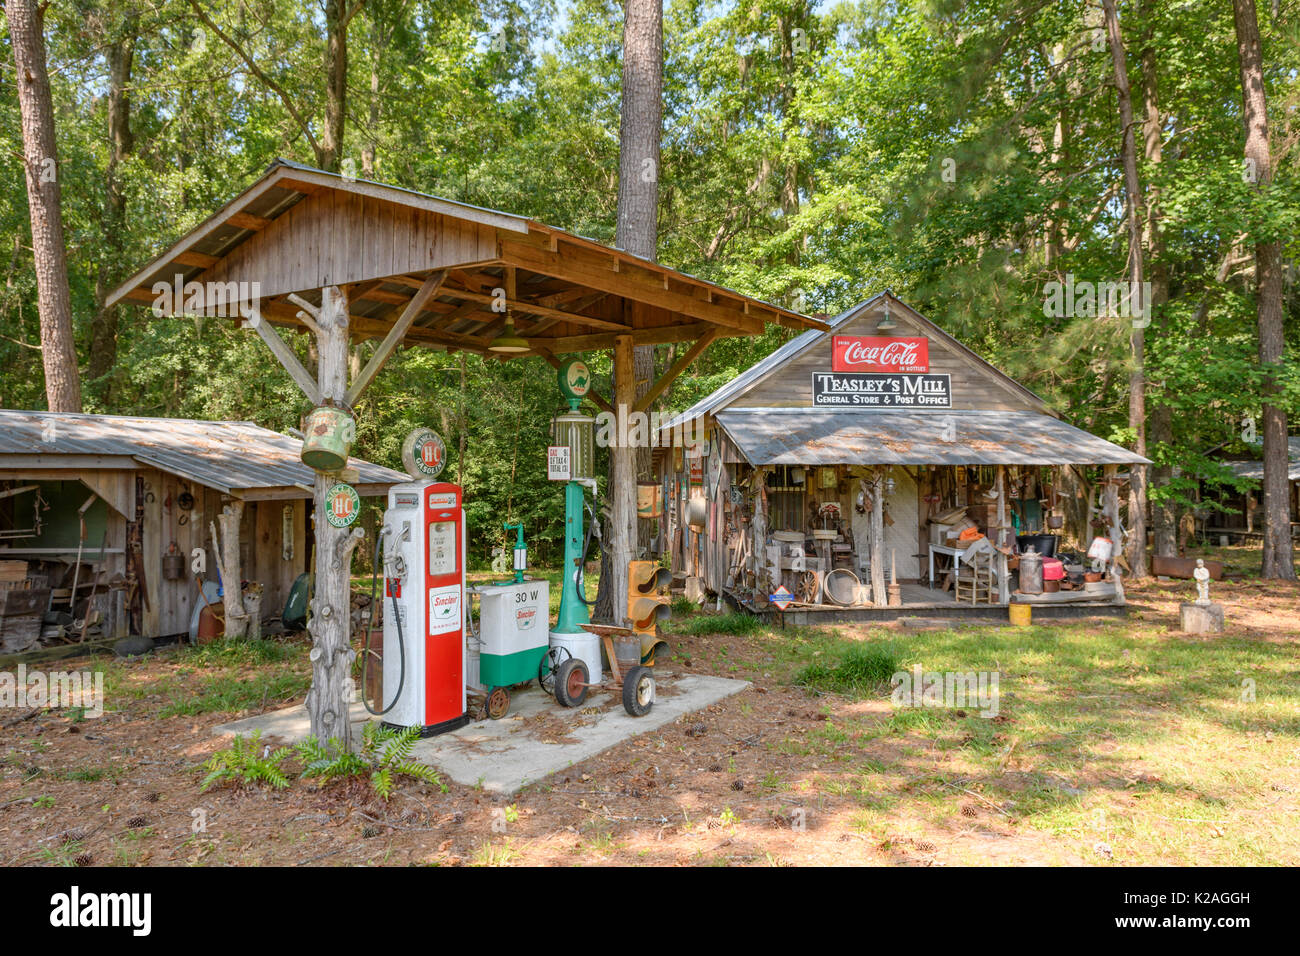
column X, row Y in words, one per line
column 508, row 341
column 886, row 324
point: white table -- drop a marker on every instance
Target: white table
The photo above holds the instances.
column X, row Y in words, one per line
column 954, row 553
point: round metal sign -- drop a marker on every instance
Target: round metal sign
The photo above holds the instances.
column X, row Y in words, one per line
column 342, row 505
column 574, row 378
column 423, row 453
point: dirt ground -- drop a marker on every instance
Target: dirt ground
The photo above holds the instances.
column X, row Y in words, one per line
column 781, row 774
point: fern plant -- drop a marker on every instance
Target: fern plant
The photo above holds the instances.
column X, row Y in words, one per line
column 246, row 762
column 385, row 754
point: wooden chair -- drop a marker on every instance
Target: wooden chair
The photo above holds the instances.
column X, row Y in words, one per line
column 977, row 579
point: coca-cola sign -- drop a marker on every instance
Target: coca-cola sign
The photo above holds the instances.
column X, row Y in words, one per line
column 879, row 353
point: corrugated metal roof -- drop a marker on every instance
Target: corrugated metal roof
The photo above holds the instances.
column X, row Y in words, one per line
column 833, row 436
column 1255, row 469
column 232, row 457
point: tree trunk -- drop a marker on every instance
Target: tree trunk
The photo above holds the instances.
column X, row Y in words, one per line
column 1164, row 513
column 330, row 627
column 121, row 143
column 640, row 131
column 336, row 83
column 45, row 202
column 1137, row 557
column 1278, row 561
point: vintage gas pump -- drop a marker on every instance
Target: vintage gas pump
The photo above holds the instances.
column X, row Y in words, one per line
column 571, row 459
column 424, row 597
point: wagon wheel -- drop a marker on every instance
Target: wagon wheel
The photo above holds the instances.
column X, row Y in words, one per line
column 806, row 588
column 498, row 703
column 550, row 663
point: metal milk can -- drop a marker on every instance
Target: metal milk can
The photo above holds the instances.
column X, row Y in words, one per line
column 327, row 439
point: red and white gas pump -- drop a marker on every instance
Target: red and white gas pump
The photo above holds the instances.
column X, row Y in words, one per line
column 424, row 607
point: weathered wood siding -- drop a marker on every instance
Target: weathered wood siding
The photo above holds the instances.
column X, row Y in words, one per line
column 335, row 237
column 973, row 386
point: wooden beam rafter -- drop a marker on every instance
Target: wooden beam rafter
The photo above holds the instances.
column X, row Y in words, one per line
column 676, row 369
column 394, row 336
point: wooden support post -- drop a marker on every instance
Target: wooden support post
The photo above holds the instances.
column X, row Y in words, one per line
column 657, row 389
column 879, row 596
column 226, row 547
column 287, row 357
column 1003, row 538
column 1110, row 509
column 330, row 627
column 622, row 490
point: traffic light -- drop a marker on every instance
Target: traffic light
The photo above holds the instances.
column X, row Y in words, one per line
column 647, row 604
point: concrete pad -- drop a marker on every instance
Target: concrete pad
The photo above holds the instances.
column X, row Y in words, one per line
column 534, row 740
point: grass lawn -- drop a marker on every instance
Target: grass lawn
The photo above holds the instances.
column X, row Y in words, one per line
column 1114, row 743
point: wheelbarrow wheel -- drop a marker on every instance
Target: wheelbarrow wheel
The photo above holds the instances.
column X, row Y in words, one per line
column 550, row 663
column 571, row 683
column 638, row 691
column 498, row 703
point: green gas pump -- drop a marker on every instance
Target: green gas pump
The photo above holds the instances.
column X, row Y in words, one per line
column 573, row 461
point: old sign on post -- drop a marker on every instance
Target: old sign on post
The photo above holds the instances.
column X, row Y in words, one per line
column 342, row 505
column 423, row 453
column 781, row 597
column 559, row 465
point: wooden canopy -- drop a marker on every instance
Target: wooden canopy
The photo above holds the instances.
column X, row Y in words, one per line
column 428, row 271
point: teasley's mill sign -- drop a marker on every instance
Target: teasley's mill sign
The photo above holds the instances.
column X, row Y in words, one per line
column 880, row 372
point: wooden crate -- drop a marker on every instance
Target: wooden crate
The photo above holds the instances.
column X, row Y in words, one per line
column 21, row 610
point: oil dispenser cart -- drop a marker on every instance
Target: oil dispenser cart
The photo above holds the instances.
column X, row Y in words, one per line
column 510, row 644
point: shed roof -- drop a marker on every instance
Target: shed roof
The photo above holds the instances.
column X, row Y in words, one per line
column 238, row 458
column 843, row 436
column 1255, row 469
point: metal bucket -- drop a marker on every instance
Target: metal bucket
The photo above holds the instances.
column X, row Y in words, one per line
column 327, row 439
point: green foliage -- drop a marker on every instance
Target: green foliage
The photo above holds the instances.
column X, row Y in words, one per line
column 735, row 624
column 963, row 154
column 859, row 670
column 246, row 762
column 385, row 753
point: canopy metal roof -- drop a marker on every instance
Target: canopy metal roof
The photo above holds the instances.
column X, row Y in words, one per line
column 237, row 458
column 833, row 436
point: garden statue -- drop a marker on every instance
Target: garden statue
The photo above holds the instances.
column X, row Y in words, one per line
column 1202, row 576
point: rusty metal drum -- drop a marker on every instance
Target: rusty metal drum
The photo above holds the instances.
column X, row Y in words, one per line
column 327, row 439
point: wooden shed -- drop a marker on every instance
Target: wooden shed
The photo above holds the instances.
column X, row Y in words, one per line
column 880, row 464
column 98, row 502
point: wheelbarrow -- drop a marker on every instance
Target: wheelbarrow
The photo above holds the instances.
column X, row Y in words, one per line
column 567, row 678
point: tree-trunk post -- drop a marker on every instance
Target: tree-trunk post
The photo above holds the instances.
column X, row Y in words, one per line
column 232, row 574
column 622, row 484
column 879, row 594
column 330, row 625
column 1110, row 511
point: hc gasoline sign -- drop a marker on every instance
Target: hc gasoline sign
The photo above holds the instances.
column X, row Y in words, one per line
column 423, row 453
column 342, row 505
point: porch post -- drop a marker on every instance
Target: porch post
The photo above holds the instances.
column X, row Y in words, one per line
column 330, row 627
